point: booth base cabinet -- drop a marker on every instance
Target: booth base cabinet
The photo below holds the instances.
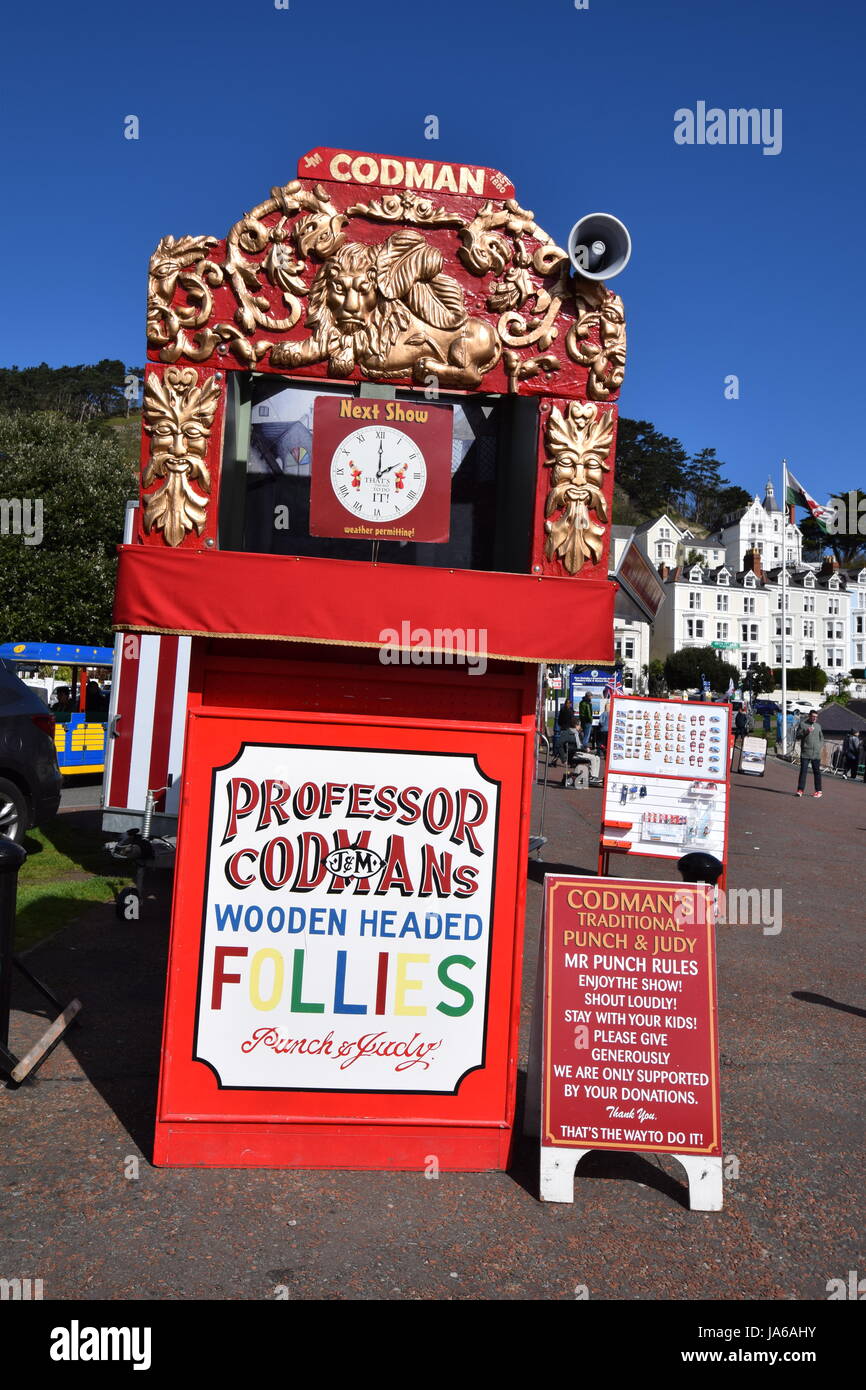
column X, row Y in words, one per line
column 347, row 926
column 284, row 1145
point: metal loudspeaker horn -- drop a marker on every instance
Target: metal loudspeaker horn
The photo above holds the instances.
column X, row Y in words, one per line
column 599, row 246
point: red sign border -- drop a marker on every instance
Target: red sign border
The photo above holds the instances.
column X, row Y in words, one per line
column 714, row 1149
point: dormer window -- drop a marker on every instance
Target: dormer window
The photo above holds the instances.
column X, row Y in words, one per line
column 749, row 581
column 861, row 578
column 834, row 582
column 696, row 574
column 809, row 581
column 723, row 577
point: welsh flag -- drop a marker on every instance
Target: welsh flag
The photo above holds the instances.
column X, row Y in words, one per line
column 797, row 496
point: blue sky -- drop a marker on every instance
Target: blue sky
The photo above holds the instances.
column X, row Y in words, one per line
column 744, row 264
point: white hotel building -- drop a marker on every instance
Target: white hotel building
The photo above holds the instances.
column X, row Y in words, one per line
column 733, row 594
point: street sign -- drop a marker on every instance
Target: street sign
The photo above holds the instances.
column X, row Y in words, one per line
column 726, row 646
column 629, row 1053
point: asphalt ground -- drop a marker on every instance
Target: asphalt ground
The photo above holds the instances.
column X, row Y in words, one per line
column 83, row 1209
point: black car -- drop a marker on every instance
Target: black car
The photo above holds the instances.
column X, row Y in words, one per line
column 29, row 776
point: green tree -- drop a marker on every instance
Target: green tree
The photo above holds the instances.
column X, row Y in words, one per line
column 684, row 669
column 655, row 674
column 803, row 678
column 703, row 481
column 76, row 481
column 846, row 546
column 761, row 680
column 649, row 466
column 729, row 501
column 84, row 392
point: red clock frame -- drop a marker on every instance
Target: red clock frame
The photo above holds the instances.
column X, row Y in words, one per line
column 430, row 427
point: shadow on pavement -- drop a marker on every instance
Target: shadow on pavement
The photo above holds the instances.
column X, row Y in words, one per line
column 539, row 867
column 118, row 971
column 806, row 998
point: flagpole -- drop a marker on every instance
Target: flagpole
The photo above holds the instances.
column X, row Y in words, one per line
column 784, row 606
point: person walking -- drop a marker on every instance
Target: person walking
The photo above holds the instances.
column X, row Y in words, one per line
column 851, row 755
column 584, row 714
column 863, row 752
column 812, row 736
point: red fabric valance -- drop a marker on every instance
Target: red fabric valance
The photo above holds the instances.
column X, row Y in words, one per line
column 357, row 604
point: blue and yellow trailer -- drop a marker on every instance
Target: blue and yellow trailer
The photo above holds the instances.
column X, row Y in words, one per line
column 80, row 729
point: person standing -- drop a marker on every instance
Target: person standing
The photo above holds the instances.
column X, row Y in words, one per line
column 812, row 736
column 863, row 752
column 584, row 714
column 564, row 720
column 603, row 724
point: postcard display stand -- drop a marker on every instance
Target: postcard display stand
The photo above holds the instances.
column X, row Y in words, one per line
column 666, row 785
column 378, row 440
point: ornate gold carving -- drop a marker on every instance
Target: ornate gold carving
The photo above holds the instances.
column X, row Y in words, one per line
column 519, row 368
column 178, row 415
column 390, row 311
column 185, row 263
column 406, row 206
column 578, row 443
column 320, row 229
column 598, row 308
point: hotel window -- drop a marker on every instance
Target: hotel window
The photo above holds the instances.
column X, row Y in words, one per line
column 809, row 627
column 748, row 605
column 833, row 605
column 749, row 632
column 721, row 632
column 694, row 600
column 628, row 648
column 694, row 627
column 808, row 603
column 859, row 624
column 721, row 603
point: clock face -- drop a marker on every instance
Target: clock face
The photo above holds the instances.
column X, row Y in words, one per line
column 378, row 473
column 381, row 469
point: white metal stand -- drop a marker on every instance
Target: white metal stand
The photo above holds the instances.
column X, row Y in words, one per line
column 704, row 1176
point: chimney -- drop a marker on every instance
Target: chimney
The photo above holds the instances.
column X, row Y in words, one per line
column 829, row 567
column 752, row 561
column 663, row 571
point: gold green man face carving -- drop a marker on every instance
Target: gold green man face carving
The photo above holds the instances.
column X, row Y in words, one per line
column 178, row 415
column 579, row 443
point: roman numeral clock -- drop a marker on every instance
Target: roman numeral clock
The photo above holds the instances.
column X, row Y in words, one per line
column 381, row 470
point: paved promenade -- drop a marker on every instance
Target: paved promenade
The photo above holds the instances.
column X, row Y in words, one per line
column 792, row 1027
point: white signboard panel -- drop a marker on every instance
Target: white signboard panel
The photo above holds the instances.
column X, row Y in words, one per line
column 666, row 817
column 669, row 738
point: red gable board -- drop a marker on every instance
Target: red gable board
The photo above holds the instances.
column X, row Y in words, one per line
column 630, row 1053
column 425, row 175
